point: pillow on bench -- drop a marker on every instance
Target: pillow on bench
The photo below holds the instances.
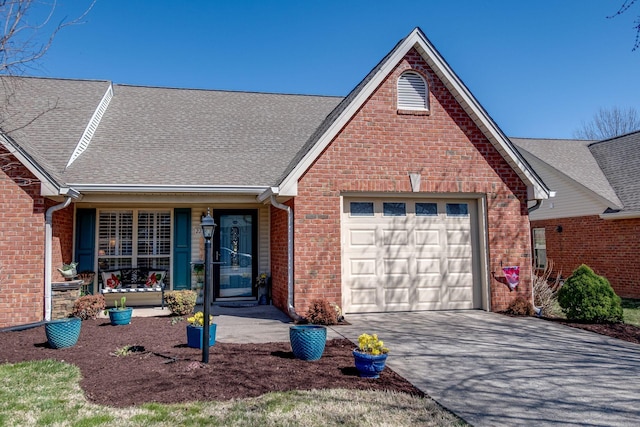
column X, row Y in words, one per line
column 111, row 279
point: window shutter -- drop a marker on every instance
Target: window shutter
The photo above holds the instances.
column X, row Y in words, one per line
column 412, row 92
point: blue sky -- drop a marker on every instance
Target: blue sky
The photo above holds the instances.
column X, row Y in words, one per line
column 540, row 68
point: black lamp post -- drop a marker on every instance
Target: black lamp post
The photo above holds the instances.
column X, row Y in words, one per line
column 208, row 228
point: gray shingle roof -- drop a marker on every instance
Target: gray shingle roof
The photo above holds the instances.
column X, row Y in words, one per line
column 163, row 136
column 572, row 158
column 46, row 117
column 619, row 159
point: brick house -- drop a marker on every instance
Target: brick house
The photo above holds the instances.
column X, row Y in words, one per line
column 404, row 195
column 594, row 218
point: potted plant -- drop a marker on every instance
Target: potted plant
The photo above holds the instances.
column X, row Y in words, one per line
column 120, row 315
column 63, row 333
column 68, row 271
column 198, row 271
column 370, row 356
column 195, row 330
column 262, row 283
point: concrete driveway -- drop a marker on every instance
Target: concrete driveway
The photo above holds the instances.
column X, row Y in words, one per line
column 494, row 370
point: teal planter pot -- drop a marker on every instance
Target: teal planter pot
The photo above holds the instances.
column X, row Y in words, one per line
column 308, row 341
column 63, row 333
column 368, row 365
column 119, row 316
column 195, row 335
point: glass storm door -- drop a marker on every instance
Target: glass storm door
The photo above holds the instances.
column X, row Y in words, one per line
column 235, row 251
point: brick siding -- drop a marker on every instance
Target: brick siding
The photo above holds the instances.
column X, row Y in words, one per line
column 21, row 245
column 609, row 247
column 375, row 152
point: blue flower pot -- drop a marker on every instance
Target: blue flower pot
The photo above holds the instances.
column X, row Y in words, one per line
column 308, row 341
column 120, row 316
column 368, row 365
column 63, row 333
column 195, row 335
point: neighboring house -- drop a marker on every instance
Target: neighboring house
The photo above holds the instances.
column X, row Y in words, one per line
column 594, row 218
column 404, row 195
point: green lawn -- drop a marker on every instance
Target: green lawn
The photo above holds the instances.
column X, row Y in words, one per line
column 47, row 393
column 631, row 309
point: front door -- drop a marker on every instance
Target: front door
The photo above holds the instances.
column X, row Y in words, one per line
column 235, row 252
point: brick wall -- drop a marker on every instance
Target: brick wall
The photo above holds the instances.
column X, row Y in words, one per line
column 62, row 238
column 375, row 152
column 21, row 244
column 609, row 247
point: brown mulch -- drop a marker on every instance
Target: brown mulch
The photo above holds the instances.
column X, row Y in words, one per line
column 166, row 370
column 622, row 331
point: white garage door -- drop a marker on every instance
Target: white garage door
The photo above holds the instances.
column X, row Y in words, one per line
column 408, row 254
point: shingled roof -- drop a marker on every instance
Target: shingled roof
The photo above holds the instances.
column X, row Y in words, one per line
column 572, row 158
column 162, row 136
column 619, row 160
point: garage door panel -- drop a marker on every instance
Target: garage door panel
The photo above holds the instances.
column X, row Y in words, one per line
column 428, row 266
column 458, row 265
column 362, row 238
column 395, row 237
column 458, row 237
column 396, row 266
column 428, row 238
column 429, row 295
column 408, row 261
column 363, row 267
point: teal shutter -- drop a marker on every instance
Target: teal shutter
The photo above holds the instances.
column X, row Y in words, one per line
column 85, row 239
column 182, row 248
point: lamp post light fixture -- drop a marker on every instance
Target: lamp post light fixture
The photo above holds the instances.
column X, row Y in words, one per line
column 208, row 228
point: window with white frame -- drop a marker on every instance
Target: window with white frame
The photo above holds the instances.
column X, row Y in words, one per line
column 412, row 92
column 539, row 249
column 134, row 238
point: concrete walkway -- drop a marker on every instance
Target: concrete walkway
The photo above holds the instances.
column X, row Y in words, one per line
column 489, row 369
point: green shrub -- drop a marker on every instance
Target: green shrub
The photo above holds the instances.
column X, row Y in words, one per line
column 321, row 312
column 180, row 303
column 88, row 306
column 520, row 307
column 587, row 297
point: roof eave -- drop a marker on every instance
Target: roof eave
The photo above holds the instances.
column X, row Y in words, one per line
column 137, row 188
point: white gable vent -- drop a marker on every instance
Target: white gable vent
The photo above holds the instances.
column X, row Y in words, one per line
column 412, row 92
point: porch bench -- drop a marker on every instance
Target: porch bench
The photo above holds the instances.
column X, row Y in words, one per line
column 132, row 280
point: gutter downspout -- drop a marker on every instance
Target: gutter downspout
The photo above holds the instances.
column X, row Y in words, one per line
column 536, row 206
column 48, row 243
column 290, row 308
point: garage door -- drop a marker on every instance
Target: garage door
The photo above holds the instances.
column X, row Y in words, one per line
column 408, row 254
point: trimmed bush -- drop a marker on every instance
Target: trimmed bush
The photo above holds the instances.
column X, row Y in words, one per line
column 587, row 297
column 180, row 303
column 88, row 307
column 520, row 307
column 321, row 312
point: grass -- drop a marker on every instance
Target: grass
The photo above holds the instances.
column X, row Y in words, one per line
column 47, row 393
column 631, row 311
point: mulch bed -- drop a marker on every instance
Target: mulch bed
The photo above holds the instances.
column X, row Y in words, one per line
column 166, row 370
column 622, row 331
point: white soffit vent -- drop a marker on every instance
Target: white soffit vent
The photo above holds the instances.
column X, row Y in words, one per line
column 85, row 139
column 412, row 92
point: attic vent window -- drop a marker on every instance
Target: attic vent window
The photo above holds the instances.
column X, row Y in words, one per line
column 412, row 94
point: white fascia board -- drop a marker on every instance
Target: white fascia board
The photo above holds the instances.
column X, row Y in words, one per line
column 416, row 40
column 265, row 196
column 620, row 215
column 134, row 188
column 48, row 186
